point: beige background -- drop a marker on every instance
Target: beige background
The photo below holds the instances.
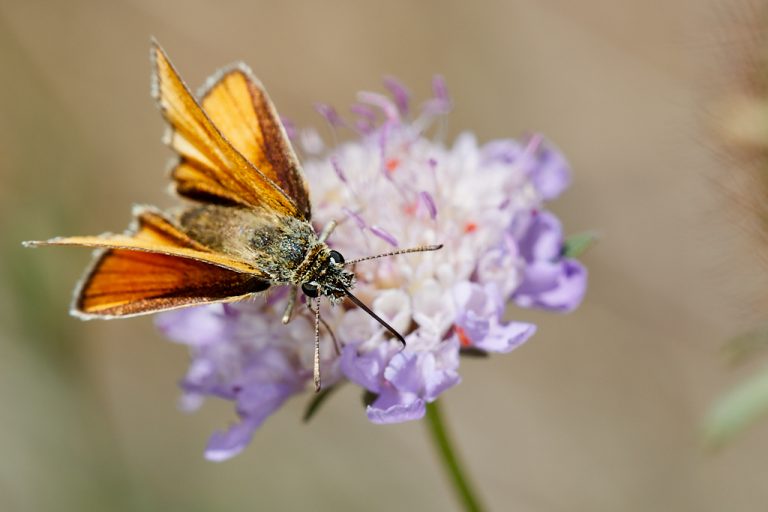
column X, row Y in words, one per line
column 599, row 412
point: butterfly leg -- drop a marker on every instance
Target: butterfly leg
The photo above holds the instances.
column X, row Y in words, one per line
column 327, row 230
column 336, row 344
column 316, row 369
column 291, row 303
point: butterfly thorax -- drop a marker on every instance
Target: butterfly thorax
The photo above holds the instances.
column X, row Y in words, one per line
column 284, row 248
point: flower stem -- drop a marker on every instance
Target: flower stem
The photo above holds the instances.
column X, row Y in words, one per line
column 450, row 458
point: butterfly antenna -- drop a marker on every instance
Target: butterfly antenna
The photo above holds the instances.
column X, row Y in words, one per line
column 368, row 310
column 421, row 248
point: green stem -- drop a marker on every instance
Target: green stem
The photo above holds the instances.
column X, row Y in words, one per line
column 450, row 459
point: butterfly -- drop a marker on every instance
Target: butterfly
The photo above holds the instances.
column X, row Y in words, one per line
column 246, row 226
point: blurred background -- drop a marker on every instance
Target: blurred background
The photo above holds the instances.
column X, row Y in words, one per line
column 601, row 411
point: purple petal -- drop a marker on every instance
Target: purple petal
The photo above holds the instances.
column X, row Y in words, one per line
column 505, row 338
column 504, row 150
column 480, row 309
column 551, row 174
column 224, row 445
column 195, row 326
column 542, row 239
column 394, row 407
column 366, row 370
column 425, row 374
column 558, row 287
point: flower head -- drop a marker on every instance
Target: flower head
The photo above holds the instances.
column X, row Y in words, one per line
column 394, row 187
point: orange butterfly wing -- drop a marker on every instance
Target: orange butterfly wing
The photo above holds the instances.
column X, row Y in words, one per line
column 210, row 168
column 128, row 283
column 156, row 268
column 240, row 107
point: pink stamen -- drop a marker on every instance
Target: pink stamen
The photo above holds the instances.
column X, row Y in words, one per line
column 392, row 164
column 464, row 339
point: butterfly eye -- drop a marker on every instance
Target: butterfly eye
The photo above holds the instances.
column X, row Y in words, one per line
column 336, row 257
column 310, row 290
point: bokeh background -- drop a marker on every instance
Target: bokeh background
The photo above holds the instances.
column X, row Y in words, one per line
column 601, row 411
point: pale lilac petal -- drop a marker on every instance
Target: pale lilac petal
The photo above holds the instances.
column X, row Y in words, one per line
column 505, row 151
column 552, row 173
column 558, row 287
column 393, row 407
column 543, row 240
column 425, row 374
column 443, row 369
column 365, row 370
column 195, row 326
column 504, row 338
column 226, row 444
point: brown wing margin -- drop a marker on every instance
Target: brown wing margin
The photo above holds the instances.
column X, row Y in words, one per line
column 210, row 169
column 239, row 106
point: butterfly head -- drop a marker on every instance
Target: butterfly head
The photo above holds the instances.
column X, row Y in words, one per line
column 330, row 278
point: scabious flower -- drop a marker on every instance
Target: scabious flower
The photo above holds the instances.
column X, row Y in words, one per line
column 392, row 186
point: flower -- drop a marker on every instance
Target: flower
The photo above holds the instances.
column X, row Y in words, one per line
column 391, row 187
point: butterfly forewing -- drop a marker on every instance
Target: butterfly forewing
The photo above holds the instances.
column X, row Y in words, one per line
column 239, row 106
column 210, row 168
column 155, row 233
column 156, row 267
column 125, row 283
